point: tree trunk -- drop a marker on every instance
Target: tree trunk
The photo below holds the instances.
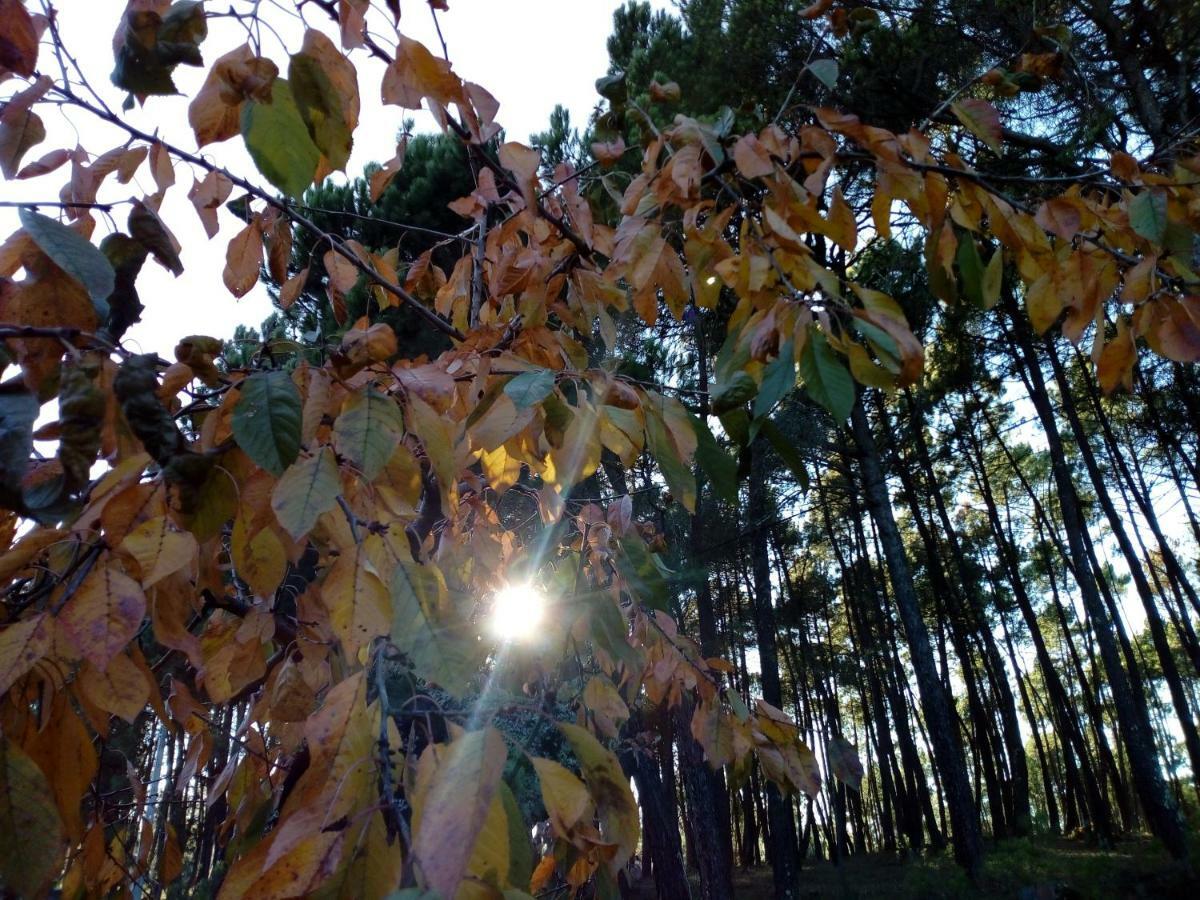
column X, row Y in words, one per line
column 937, row 706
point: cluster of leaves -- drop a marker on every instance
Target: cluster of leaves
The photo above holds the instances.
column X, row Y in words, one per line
column 275, row 546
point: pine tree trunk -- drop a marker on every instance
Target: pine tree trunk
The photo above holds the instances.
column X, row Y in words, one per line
column 937, row 707
column 1159, row 807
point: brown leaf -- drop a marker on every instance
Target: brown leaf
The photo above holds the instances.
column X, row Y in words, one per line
column 292, row 287
column 352, row 16
column 18, row 38
column 415, row 74
column 161, row 167
column 207, row 196
column 243, row 258
column 215, row 112
column 45, row 164
column 815, row 10
column 844, row 763
column 609, row 152
column 1060, row 216
column 752, row 159
column 981, row 119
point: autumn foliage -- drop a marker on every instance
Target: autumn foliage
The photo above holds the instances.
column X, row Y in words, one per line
column 246, row 558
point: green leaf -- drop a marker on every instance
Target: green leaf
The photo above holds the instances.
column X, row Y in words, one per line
column 319, row 105
column 881, row 342
column 825, row 71
column 266, row 420
column 736, row 703
column 826, row 377
column 367, row 431
column 777, row 382
column 307, row 489
column 675, row 471
column 992, row 280
column 18, row 411
column 787, row 452
column 970, row 269
column 520, row 850
column 612, row 88
column 530, row 388
column 607, row 627
column 720, row 467
column 642, row 575
column 278, row 142
column 427, row 629
column 126, row 256
column 31, row 853
column 732, row 392
column 150, row 52
column 75, row 255
column 1148, row 215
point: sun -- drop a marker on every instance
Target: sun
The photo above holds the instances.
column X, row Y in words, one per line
column 517, row 611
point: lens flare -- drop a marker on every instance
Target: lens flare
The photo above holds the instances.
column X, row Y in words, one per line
column 517, row 610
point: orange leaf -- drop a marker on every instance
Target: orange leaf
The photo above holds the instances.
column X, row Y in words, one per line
column 1115, row 367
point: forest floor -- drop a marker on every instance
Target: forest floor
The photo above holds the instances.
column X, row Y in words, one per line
column 1028, row 869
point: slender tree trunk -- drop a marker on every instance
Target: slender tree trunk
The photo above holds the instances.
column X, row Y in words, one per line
column 937, row 706
column 1160, row 809
column 779, row 810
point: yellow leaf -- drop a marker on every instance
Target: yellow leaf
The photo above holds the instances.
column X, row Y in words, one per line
column 609, row 787
column 606, row 705
column 103, row 614
column 159, row 550
column 120, row 689
column 455, row 786
column 359, row 604
column 21, row 646
column 63, row 751
column 1115, row 367
column 566, row 799
column 841, row 226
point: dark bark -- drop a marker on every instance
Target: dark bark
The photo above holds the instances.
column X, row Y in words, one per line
column 936, row 705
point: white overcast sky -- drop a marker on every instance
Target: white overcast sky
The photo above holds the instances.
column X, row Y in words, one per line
column 531, row 54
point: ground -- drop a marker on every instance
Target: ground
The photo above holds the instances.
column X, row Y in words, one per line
column 1029, row 869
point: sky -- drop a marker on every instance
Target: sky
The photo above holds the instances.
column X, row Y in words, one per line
column 531, row 54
